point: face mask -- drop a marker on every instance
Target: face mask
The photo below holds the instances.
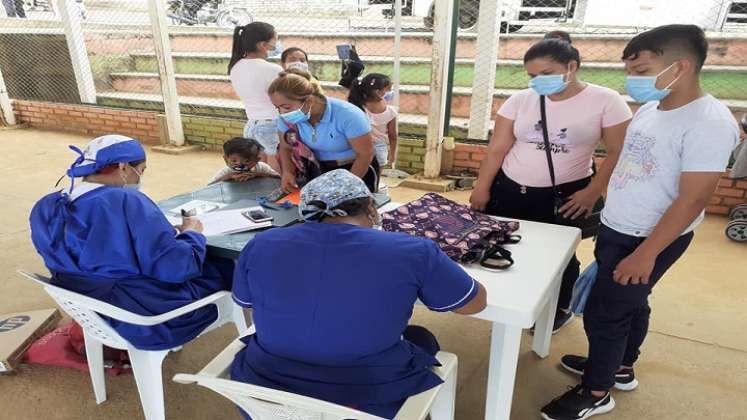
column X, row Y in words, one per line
column 389, row 96
column 137, row 186
column 277, row 51
column 643, row 88
column 297, row 116
column 549, row 84
column 299, row 65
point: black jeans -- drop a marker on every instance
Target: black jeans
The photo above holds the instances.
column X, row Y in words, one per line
column 509, row 199
column 371, row 178
column 616, row 317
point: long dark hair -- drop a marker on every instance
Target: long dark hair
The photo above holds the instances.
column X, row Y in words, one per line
column 362, row 90
column 246, row 38
column 556, row 46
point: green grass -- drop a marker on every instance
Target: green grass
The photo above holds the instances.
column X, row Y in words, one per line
column 725, row 85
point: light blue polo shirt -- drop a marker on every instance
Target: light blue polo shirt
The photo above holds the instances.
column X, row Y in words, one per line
column 341, row 122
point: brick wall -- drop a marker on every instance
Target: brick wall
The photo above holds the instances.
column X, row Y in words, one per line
column 729, row 193
column 211, row 132
column 91, row 120
column 95, row 121
column 410, row 155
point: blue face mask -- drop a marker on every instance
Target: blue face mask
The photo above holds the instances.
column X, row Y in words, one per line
column 295, row 117
column 548, row 84
column 389, row 96
column 643, row 88
column 277, row 51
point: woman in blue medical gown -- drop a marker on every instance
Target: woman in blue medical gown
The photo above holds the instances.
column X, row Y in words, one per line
column 105, row 239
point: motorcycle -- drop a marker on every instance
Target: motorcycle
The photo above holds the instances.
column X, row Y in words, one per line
column 225, row 13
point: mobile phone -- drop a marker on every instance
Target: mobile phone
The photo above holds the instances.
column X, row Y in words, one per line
column 257, row 215
column 343, row 51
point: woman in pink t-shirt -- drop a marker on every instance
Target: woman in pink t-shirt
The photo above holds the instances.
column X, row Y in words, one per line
column 514, row 178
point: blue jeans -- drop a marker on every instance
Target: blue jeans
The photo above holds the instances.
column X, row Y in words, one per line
column 616, row 317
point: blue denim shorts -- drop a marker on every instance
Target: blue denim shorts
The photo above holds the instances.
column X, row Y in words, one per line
column 265, row 132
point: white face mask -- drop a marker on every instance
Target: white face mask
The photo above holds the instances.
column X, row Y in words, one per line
column 299, row 65
column 136, row 186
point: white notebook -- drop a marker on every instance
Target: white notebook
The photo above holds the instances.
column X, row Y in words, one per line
column 224, row 222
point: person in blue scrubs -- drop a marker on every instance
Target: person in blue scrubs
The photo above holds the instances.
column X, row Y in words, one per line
column 332, row 299
column 105, row 239
column 336, row 131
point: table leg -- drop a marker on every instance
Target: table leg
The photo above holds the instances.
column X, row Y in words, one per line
column 543, row 327
column 504, row 355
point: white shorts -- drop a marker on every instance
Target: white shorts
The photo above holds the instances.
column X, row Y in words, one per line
column 265, row 132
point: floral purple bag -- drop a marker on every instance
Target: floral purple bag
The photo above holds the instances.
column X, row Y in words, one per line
column 465, row 235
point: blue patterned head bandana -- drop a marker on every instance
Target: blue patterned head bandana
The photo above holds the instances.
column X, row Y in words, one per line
column 332, row 189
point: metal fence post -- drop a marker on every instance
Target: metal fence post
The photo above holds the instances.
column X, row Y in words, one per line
column 442, row 22
column 76, row 44
column 166, row 72
column 483, row 84
column 5, row 105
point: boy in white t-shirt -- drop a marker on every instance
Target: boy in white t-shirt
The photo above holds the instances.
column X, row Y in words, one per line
column 242, row 162
column 676, row 148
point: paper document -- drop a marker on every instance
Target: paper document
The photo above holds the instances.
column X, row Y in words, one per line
column 229, row 221
column 199, row 206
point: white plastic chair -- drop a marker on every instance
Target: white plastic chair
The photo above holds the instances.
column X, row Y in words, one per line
column 146, row 364
column 268, row 404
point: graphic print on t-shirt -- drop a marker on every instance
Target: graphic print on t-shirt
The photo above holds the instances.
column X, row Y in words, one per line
column 559, row 142
column 638, row 163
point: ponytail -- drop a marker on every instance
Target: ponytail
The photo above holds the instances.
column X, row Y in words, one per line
column 296, row 85
column 246, row 38
column 362, row 90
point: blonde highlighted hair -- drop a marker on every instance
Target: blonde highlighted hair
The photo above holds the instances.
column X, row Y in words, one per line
column 295, row 84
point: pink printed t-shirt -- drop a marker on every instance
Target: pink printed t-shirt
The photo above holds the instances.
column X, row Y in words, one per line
column 575, row 129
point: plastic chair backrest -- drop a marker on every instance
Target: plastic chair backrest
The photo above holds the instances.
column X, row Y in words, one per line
column 83, row 310
column 269, row 404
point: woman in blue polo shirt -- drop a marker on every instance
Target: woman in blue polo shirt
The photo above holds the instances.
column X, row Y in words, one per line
column 331, row 317
column 337, row 132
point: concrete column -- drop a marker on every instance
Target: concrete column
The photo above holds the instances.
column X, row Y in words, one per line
column 5, row 106
column 437, row 111
column 166, row 72
column 483, row 84
column 397, row 50
column 76, row 45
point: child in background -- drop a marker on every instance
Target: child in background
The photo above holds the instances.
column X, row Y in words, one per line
column 295, row 60
column 242, row 162
column 372, row 94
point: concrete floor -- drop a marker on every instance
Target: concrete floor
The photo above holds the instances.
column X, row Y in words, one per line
column 694, row 363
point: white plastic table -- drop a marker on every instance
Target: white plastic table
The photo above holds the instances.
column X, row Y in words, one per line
column 519, row 297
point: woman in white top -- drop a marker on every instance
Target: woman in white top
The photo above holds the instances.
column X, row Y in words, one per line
column 372, row 94
column 251, row 74
column 514, row 178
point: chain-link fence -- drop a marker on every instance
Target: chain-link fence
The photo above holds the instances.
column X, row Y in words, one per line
column 39, row 61
column 600, row 29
